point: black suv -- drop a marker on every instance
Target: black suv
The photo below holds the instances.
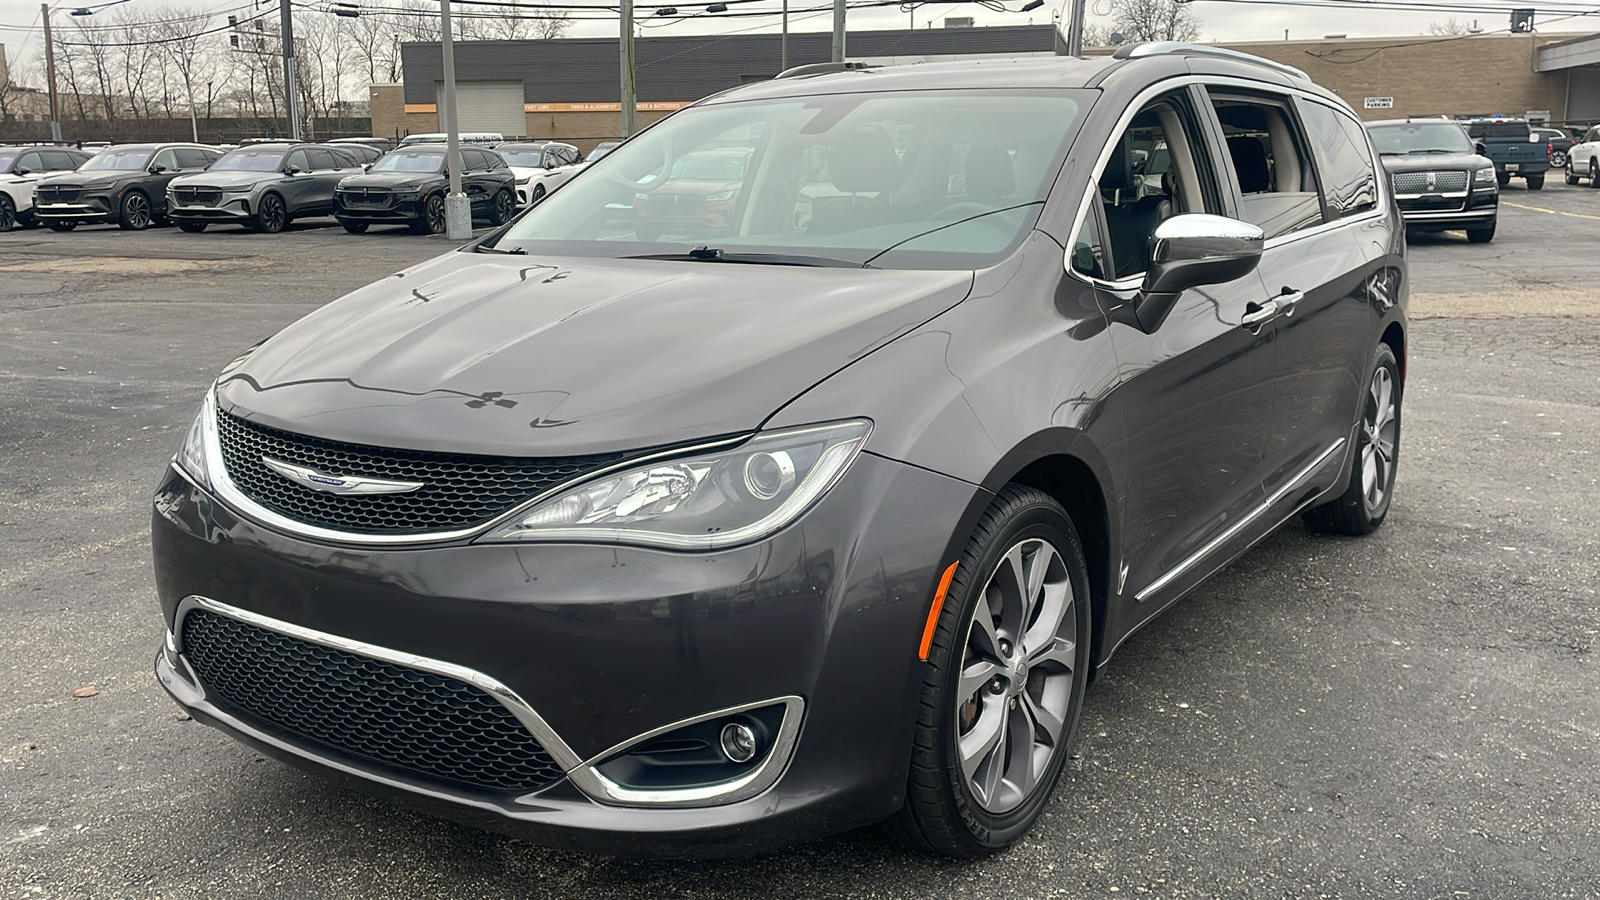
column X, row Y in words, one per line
column 261, row 186
column 125, row 184
column 1440, row 180
column 407, row 186
column 824, row 516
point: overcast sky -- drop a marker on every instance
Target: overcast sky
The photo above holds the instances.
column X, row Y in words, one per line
column 1221, row 21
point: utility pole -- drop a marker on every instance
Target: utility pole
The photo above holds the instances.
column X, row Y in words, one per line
column 50, row 66
column 1075, row 29
column 783, row 43
column 630, row 100
column 838, row 30
column 457, row 208
column 291, row 106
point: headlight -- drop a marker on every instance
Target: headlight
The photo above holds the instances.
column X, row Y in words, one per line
column 239, row 189
column 706, row 502
column 524, row 179
column 192, row 452
column 721, row 195
column 1483, row 176
column 412, row 194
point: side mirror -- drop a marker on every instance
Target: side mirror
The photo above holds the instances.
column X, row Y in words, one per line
column 367, row 167
column 1478, row 148
column 293, row 170
column 1191, row 250
column 23, row 171
column 157, row 170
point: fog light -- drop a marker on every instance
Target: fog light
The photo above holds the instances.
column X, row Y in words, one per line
column 738, row 742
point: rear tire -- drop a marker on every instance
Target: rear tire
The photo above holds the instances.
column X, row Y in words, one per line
column 192, row 227
column 1481, row 235
column 1365, row 503
column 1502, row 178
column 1535, row 182
column 1026, row 666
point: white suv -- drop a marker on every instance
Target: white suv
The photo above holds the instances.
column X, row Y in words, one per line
column 1583, row 160
column 20, row 167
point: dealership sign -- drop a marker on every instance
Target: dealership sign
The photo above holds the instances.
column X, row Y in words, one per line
column 1379, row 103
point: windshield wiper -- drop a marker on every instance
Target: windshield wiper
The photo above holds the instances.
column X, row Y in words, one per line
column 1432, row 150
column 952, row 225
column 509, row 251
column 716, row 255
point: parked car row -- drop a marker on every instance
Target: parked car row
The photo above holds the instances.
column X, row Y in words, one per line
column 264, row 184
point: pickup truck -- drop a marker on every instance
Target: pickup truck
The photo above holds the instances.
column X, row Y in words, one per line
column 1512, row 147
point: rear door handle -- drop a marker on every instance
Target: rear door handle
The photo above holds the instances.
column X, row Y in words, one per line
column 1258, row 313
column 1286, row 301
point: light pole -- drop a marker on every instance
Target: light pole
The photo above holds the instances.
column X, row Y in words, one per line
column 838, row 30
column 783, row 43
column 625, row 59
column 457, row 208
column 50, row 68
column 290, row 104
column 1075, row 29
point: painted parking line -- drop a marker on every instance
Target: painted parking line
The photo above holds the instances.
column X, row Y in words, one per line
column 1553, row 212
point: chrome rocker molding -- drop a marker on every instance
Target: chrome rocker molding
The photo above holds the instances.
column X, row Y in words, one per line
column 225, row 490
column 589, row 780
column 581, row 772
column 1289, row 487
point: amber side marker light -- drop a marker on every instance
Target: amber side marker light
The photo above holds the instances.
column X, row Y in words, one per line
column 933, row 611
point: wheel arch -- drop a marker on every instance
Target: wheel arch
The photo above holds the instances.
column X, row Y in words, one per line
column 1395, row 337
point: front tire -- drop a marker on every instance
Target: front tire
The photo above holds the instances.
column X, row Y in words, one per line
column 192, row 227
column 1482, row 235
column 62, row 226
column 8, row 213
column 505, row 206
column 1594, row 173
column 1003, row 688
column 135, row 212
column 432, row 219
column 355, row 227
column 1365, row 503
column 272, row 216
column 1572, row 175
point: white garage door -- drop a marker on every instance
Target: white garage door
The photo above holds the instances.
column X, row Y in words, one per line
column 491, row 106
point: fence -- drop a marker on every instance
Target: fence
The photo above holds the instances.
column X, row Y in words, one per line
column 212, row 131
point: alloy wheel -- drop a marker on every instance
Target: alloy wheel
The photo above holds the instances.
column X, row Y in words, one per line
column 1016, row 676
column 433, row 213
column 271, row 218
column 1381, row 427
column 135, row 212
column 538, row 193
column 505, row 206
column 8, row 213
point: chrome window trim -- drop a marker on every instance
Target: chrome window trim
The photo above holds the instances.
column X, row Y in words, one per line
column 223, row 487
column 1289, row 487
column 1166, row 85
column 589, row 779
column 511, row 700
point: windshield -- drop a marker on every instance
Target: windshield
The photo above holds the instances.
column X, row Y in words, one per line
column 5, row 160
column 601, row 150
column 123, row 160
column 528, row 158
column 1420, row 138
column 422, row 139
column 401, row 161
column 946, row 179
column 250, row 161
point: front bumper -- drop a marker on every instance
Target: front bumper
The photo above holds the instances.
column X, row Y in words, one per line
column 231, row 209
column 1446, row 211
column 609, row 643
column 90, row 209
column 397, row 211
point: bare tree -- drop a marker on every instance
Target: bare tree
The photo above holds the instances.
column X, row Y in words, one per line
column 1098, row 35
column 1155, row 20
column 190, row 50
column 1450, row 27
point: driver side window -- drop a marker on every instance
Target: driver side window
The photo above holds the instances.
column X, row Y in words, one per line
column 166, row 159
column 1154, row 173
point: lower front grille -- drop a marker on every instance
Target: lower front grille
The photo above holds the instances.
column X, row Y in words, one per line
column 366, row 199
column 58, row 194
column 403, row 718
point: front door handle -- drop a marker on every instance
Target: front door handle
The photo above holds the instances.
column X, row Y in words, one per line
column 1256, row 314
column 1288, row 299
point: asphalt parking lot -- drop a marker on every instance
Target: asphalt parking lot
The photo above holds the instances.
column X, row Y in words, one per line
column 1414, row 714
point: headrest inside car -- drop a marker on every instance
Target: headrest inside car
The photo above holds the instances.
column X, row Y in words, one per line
column 862, row 161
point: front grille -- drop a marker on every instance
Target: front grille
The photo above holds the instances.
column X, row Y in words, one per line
column 1417, row 182
column 197, row 196
column 459, row 491
column 677, row 204
column 366, row 198
column 58, row 193
column 400, row 717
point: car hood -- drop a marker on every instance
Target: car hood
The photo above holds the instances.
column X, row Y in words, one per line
column 530, row 356
column 1429, row 162
column 224, row 179
column 103, row 178
column 394, row 181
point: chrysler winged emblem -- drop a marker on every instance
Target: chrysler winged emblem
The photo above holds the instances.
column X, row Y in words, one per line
column 339, row 484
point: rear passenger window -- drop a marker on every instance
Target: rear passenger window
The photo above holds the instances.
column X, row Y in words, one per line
column 321, row 159
column 192, row 159
column 1277, row 185
column 59, row 161
column 1349, row 184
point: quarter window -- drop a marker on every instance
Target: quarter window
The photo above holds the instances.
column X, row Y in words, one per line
column 1089, row 249
column 1277, row 187
column 1348, row 182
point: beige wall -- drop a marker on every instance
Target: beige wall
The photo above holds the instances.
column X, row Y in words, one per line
column 581, row 129
column 388, row 109
column 1480, row 74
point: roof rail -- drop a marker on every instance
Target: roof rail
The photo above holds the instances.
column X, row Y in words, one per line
column 824, row 68
column 1179, row 48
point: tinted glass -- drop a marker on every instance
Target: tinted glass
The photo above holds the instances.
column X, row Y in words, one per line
column 1348, row 183
column 1420, row 138
column 1514, row 130
column 1268, row 154
column 947, row 179
column 321, row 159
column 192, row 159
column 122, row 159
column 298, row 160
column 246, row 159
column 60, row 161
column 410, row 161
column 31, row 161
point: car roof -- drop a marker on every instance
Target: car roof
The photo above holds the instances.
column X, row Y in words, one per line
column 1412, row 120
